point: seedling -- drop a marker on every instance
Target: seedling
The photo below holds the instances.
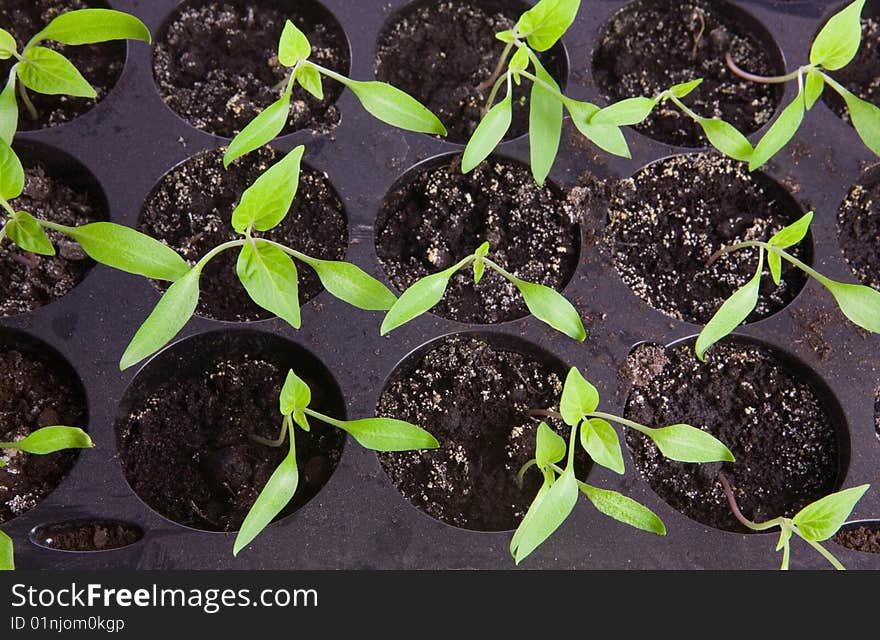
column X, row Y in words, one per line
column 41, row 442
column 546, row 304
column 558, row 495
column 815, row 523
column 833, row 49
column 378, row 434
column 46, row 71
column 383, row 101
column 859, row 303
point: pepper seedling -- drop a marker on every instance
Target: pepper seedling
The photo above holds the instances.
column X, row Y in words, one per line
column 546, row 304
column 833, row 49
column 815, row 523
column 559, row 493
column 378, row 434
column 46, row 71
column 385, row 102
column 859, row 303
column 41, row 442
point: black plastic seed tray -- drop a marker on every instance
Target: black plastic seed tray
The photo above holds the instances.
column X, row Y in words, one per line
column 359, row 520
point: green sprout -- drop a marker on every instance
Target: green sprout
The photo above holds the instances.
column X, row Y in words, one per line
column 41, row 442
column 859, row 303
column 544, row 303
column 378, row 434
column 46, row 71
column 815, row 523
column 558, row 495
column 383, row 101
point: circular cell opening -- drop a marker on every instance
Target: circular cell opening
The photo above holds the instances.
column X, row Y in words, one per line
column 443, row 52
column 100, row 64
column 38, row 388
column 184, row 428
column 216, row 62
column 86, row 535
column 434, row 216
column 668, row 220
column 858, row 228
column 473, row 392
column 860, row 536
column 60, row 189
column 777, row 417
column 190, row 210
column 650, row 45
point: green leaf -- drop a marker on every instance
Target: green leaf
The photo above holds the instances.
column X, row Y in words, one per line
column 128, row 250
column 599, row 439
column 309, row 79
column 47, row 71
column 8, row 45
column 623, row 509
column 551, row 307
column 50, row 440
column 293, row 46
column 732, row 313
column 814, row 87
column 488, row 134
column 259, row 131
column 685, row 443
column 545, row 124
column 385, row 434
column 295, row 395
column 505, row 36
column 550, row 447
column 607, row 137
column 859, row 303
column 418, row 299
column 545, row 23
column 11, row 173
column 546, row 514
column 780, row 133
column 579, row 397
column 273, row 498
column 784, row 538
column 270, row 278
column 865, row 118
column 351, row 284
column 626, row 112
column 24, row 230
column 839, row 40
column 685, row 88
column 393, row 106
column 266, row 202
column 171, row 314
column 727, row 139
column 7, row 557
column 787, row 237
column 821, row 519
column 479, row 263
column 520, row 60
column 8, row 110
column 88, row 26
column 300, row 418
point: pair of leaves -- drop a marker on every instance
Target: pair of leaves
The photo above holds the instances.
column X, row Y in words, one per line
column 51, row 440
column 545, row 23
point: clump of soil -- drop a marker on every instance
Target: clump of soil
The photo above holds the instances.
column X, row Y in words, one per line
column 190, row 210
column 27, row 280
column 650, row 45
column 667, row 221
column 186, row 448
column 858, row 224
column 438, row 216
column 787, row 447
column 475, row 398
column 216, row 63
column 100, row 64
column 442, row 52
column 862, row 75
column 35, row 392
column 87, row 536
column 862, row 537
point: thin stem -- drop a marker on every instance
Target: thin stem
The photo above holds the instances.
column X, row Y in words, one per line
column 546, row 85
column 277, row 442
column 490, row 101
column 2, row 233
column 572, row 442
column 7, row 206
column 26, row 99
column 213, row 253
column 786, row 547
column 504, row 272
column 490, row 81
column 330, row 73
column 522, row 472
column 768, row 247
column 745, row 75
column 627, row 423
column 826, row 554
column 681, row 105
column 546, row 413
column 734, row 508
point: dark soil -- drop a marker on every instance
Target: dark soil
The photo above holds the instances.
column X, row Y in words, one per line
column 186, row 450
column 87, row 536
column 216, row 63
column 863, row 537
column 669, row 219
column 862, row 75
column 191, row 211
column 650, row 45
column 100, row 64
column 475, row 399
column 441, row 53
column 437, row 216
column 787, row 448
column 35, row 392
column 27, row 280
column 859, row 231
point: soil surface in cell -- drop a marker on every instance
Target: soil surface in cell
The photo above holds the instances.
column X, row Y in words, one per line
column 437, row 217
column 33, row 394
column 652, row 45
column 187, row 451
column 87, row 536
column 475, row 399
column 786, row 446
column 191, row 211
column 863, row 537
column 217, row 64
column 27, row 280
column 859, row 231
column 443, row 53
column 667, row 222
column 862, row 75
